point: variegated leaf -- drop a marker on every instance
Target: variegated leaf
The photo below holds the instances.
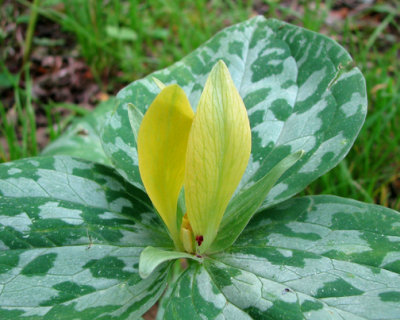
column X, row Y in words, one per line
column 82, row 137
column 319, row 257
column 71, row 233
column 301, row 90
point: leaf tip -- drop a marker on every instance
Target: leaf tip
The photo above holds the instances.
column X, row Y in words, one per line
column 159, row 83
column 144, row 270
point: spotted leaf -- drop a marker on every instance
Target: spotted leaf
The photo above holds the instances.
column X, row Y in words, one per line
column 300, row 88
column 71, row 233
column 319, row 257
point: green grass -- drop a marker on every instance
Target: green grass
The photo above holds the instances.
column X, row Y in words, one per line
column 124, row 40
column 23, row 143
column 371, row 169
column 373, row 164
column 138, row 36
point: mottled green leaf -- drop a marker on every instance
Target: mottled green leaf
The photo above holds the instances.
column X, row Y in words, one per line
column 196, row 296
column 71, row 233
column 319, row 257
column 81, row 139
column 300, row 89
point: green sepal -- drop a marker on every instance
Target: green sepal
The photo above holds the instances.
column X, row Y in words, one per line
column 245, row 204
column 151, row 258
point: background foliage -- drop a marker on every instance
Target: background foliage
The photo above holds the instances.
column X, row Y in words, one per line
column 84, row 52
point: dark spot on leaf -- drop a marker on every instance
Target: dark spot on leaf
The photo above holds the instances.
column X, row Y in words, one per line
column 393, row 266
column 198, row 87
column 255, row 97
column 255, row 119
column 82, row 132
column 68, row 290
column 263, row 67
column 182, row 74
column 40, row 265
column 338, row 288
column 236, row 47
column 215, row 42
column 7, row 314
column 281, row 109
column 223, row 276
column 8, row 260
column 279, row 310
column 285, row 291
column 311, row 305
column 259, row 34
column 108, row 267
column 206, row 57
column 70, row 312
column 196, row 65
column 392, row 296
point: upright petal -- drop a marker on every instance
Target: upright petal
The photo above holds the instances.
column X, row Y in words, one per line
column 162, row 144
column 218, row 151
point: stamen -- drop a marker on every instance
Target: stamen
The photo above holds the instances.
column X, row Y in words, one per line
column 186, row 234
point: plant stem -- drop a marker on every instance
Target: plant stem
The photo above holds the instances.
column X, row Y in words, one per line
column 31, row 29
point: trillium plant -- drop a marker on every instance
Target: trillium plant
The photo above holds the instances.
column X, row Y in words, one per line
column 179, row 192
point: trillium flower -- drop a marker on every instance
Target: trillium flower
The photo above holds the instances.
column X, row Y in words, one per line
column 194, row 158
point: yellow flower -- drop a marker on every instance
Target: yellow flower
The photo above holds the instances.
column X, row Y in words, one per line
column 205, row 153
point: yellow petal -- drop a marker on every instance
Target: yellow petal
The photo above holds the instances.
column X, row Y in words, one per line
column 162, row 144
column 218, row 151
